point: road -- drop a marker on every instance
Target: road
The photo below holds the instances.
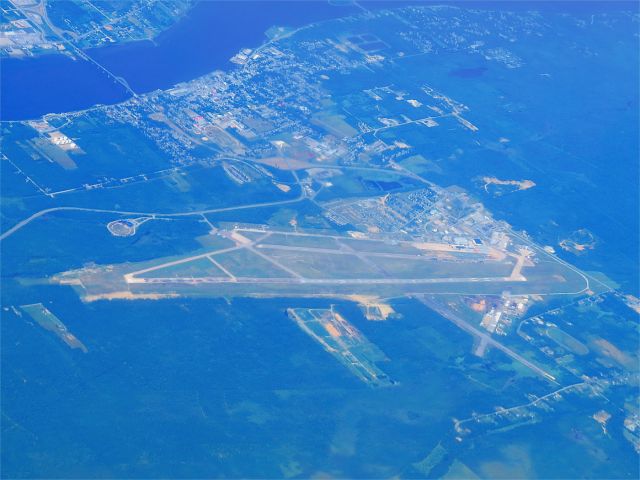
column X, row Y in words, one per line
column 41, row 11
column 524, row 405
column 586, row 277
column 36, row 215
column 484, row 337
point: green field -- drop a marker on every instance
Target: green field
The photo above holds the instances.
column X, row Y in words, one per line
column 244, row 263
column 202, row 267
column 565, row 340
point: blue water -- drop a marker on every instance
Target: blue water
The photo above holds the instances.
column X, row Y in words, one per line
column 200, row 43
column 199, row 387
column 33, row 87
column 206, row 40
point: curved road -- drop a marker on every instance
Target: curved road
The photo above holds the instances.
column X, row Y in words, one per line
column 300, row 197
column 39, row 214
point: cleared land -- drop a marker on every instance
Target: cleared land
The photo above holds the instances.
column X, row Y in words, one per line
column 265, row 262
column 50, row 322
column 344, row 341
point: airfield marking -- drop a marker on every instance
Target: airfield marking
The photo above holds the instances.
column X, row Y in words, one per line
column 227, row 272
column 251, row 246
column 299, row 279
column 129, row 278
column 364, row 258
column 354, row 253
column 276, row 263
